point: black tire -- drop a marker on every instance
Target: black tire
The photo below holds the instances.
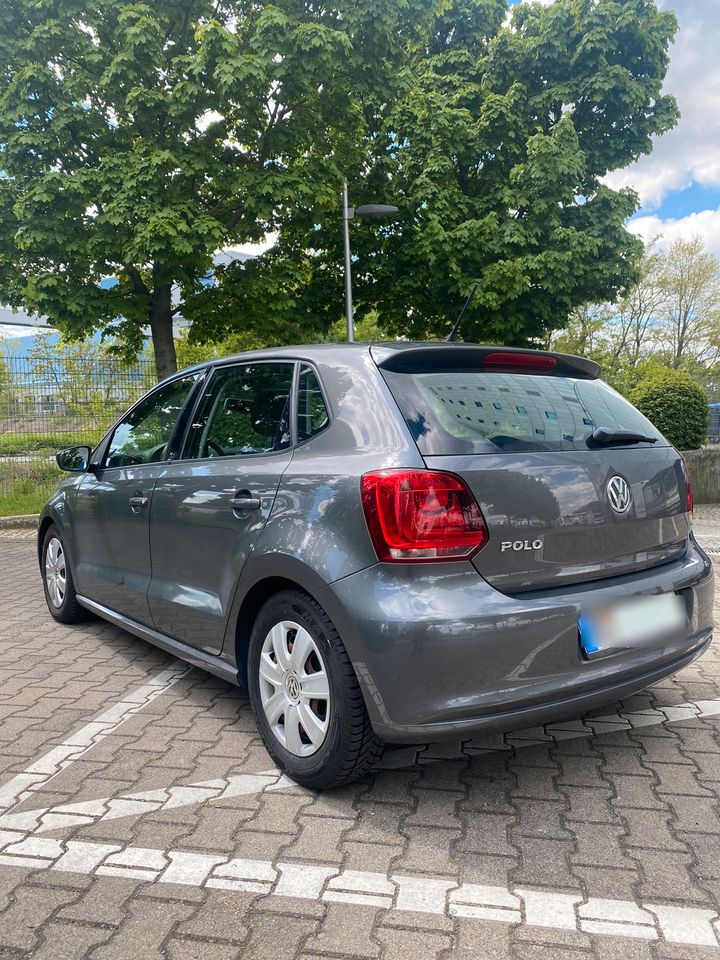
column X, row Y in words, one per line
column 69, row 610
column 350, row 746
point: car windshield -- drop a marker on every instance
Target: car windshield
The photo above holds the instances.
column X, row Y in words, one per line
column 477, row 412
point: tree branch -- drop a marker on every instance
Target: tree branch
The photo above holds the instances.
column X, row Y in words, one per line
column 137, row 281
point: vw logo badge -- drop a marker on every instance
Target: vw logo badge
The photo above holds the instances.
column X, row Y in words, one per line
column 292, row 686
column 618, row 492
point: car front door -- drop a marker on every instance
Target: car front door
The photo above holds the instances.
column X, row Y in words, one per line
column 112, row 506
column 209, row 507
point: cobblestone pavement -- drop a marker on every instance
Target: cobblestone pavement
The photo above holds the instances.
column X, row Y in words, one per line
column 706, row 522
column 140, row 817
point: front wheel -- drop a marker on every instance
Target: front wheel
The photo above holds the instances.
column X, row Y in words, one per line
column 305, row 695
column 58, row 581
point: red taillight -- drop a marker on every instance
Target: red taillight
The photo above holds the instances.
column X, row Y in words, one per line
column 689, row 503
column 421, row 515
column 537, row 361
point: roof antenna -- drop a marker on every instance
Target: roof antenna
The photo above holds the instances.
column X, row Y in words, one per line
column 450, row 338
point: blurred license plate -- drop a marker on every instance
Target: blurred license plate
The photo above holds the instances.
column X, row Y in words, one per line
column 632, row 623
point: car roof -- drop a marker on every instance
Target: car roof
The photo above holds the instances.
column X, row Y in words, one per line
column 321, row 352
column 432, row 351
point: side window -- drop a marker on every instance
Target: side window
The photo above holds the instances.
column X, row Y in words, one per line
column 312, row 412
column 143, row 436
column 245, row 410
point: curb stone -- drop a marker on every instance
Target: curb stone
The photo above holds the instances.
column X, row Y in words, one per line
column 24, row 521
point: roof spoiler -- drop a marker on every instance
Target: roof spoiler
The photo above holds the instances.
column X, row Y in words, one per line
column 446, row 357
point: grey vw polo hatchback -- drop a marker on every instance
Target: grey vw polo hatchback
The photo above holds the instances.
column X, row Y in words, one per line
column 388, row 542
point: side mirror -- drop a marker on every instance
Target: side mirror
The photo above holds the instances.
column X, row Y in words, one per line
column 74, row 459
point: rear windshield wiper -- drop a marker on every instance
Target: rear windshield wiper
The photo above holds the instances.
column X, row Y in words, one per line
column 607, row 437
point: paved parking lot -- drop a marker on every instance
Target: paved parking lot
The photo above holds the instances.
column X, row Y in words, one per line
column 141, row 817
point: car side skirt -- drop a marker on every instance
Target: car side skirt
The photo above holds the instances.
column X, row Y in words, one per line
column 215, row 665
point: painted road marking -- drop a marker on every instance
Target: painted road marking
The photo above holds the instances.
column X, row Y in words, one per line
column 44, row 820
column 444, row 896
column 47, row 819
column 59, row 758
column 21, row 845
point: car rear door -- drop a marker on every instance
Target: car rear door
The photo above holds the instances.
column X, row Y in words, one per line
column 520, row 435
column 112, row 505
column 209, row 507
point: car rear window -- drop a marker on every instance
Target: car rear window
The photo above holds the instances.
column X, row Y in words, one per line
column 477, row 412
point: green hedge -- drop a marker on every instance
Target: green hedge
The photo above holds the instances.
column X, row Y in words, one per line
column 676, row 404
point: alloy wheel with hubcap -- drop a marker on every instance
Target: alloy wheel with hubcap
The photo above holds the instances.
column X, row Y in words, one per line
column 309, row 706
column 55, row 572
column 294, row 688
column 58, row 580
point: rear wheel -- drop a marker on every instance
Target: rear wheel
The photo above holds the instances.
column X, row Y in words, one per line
column 305, row 695
column 58, row 581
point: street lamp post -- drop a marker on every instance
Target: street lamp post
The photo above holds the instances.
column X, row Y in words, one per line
column 351, row 213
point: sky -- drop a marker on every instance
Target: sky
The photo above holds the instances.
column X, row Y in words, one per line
column 679, row 183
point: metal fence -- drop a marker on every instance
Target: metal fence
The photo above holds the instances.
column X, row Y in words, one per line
column 48, row 402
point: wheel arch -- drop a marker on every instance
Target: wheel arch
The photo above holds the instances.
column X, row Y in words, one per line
column 266, row 575
column 46, row 522
column 250, row 606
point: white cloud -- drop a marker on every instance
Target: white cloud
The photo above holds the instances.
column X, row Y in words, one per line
column 11, row 333
column 706, row 223
column 691, row 152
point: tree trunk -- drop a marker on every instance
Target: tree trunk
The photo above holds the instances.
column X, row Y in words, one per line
column 161, row 327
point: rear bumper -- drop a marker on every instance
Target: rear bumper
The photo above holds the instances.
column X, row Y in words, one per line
column 539, row 714
column 439, row 653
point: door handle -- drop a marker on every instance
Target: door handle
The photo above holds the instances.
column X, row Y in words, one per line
column 138, row 502
column 245, row 503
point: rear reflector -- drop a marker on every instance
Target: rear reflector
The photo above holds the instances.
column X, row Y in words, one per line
column 421, row 515
column 534, row 361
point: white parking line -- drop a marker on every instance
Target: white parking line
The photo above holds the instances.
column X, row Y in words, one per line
column 61, row 756
column 397, row 893
column 47, row 819
column 21, row 845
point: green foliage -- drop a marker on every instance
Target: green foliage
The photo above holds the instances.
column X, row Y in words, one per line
column 669, row 318
column 189, row 351
column 138, row 138
column 27, row 444
column 675, row 404
column 496, row 157
column 367, row 329
column 25, row 487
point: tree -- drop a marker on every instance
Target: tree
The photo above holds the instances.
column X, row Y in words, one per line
column 689, row 288
column 635, row 320
column 669, row 318
column 189, row 351
column 585, row 333
column 137, row 138
column 496, row 156
column 676, row 405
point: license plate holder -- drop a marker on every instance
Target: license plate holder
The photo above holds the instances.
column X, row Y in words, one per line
column 629, row 624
